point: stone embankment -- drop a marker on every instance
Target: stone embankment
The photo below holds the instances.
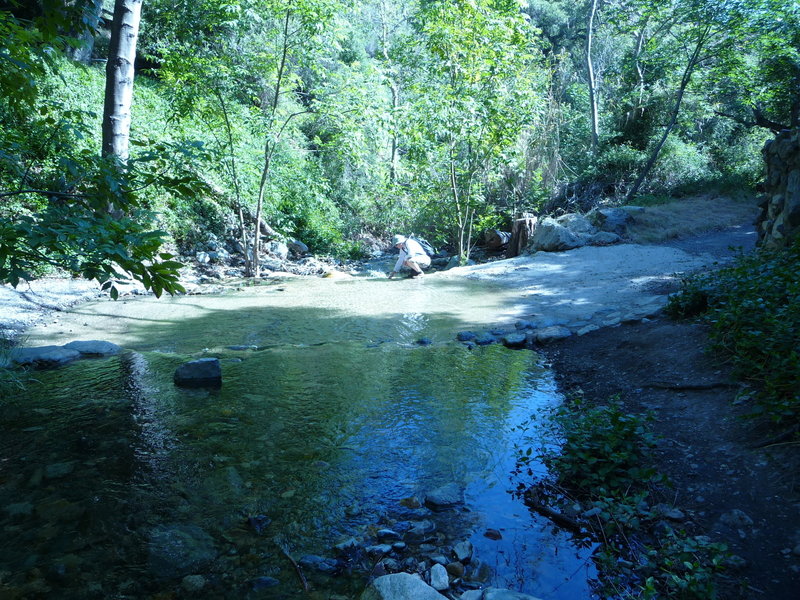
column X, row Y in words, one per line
column 779, row 220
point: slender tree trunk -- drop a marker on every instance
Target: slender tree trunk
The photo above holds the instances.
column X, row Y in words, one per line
column 591, row 75
column 687, row 77
column 269, row 145
column 119, row 78
column 248, row 262
column 393, row 88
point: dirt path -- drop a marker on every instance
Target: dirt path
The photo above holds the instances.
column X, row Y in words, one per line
column 728, row 488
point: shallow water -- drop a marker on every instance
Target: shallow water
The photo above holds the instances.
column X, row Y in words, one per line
column 322, row 428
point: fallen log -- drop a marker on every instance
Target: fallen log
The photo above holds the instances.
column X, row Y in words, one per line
column 494, row 239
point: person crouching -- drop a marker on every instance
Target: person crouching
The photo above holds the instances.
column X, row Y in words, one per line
column 412, row 256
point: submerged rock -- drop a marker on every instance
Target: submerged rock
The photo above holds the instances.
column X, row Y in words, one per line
column 179, row 550
column 94, row 348
column 445, row 497
column 203, row 372
column 43, row 356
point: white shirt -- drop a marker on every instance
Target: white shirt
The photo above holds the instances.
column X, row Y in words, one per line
column 408, row 250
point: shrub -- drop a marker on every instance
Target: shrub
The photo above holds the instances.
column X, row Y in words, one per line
column 599, row 462
column 753, row 308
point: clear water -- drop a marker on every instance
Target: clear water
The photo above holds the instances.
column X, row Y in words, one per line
column 318, row 434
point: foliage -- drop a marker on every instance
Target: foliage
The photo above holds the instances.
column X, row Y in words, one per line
column 599, row 467
column 753, row 308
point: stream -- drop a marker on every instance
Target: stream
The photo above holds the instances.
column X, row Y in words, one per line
column 343, row 404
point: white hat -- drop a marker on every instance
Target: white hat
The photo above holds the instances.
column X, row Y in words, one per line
column 398, row 239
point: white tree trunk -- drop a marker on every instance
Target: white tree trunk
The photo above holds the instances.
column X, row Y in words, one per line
column 591, row 76
column 119, row 78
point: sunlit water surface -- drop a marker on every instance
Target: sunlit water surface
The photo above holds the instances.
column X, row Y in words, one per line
column 329, row 416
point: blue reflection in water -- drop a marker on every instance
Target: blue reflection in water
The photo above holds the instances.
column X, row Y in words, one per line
column 311, row 445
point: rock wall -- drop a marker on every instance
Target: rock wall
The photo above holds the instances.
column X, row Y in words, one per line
column 779, row 221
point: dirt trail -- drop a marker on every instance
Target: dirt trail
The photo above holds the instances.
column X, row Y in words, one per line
column 727, row 483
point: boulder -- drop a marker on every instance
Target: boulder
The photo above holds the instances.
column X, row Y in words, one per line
column 94, row 348
column 550, row 236
column 203, row 372
column 577, row 224
column 297, row 247
column 400, row 586
column 611, row 219
column 277, row 249
column 43, row 357
column 604, row 238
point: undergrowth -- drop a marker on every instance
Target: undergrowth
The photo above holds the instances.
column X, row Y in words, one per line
column 753, row 309
column 599, row 482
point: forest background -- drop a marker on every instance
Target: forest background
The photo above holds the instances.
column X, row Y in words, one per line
column 337, row 122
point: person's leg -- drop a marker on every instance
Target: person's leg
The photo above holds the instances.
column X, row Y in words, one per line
column 414, row 267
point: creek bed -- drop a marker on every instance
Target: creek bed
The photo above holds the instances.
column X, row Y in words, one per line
column 116, row 483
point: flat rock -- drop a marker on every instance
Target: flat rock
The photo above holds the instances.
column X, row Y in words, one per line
column 43, row 356
column 552, row 334
column 94, row 348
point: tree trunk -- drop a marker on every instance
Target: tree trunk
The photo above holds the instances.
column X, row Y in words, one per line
column 269, row 145
column 687, row 77
column 119, row 78
column 591, row 76
column 521, row 232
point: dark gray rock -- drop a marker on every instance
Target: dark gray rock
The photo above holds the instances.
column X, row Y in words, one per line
column 178, row 550
column 612, row 219
column 203, row 372
column 43, row 357
column 421, row 531
column 465, row 336
column 94, row 348
column 297, row 247
column 329, row 566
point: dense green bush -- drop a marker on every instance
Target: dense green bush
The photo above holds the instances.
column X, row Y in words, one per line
column 753, row 308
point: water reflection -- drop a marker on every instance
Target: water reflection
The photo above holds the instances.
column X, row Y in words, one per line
column 117, row 483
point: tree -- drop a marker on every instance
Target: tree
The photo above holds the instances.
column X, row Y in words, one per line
column 66, row 222
column 479, row 88
column 119, row 78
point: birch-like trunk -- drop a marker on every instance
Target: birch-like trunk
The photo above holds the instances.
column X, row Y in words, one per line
column 119, row 78
column 591, row 76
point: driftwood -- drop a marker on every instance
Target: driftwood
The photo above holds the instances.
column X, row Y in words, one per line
column 494, row 239
column 521, row 232
column 554, row 516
